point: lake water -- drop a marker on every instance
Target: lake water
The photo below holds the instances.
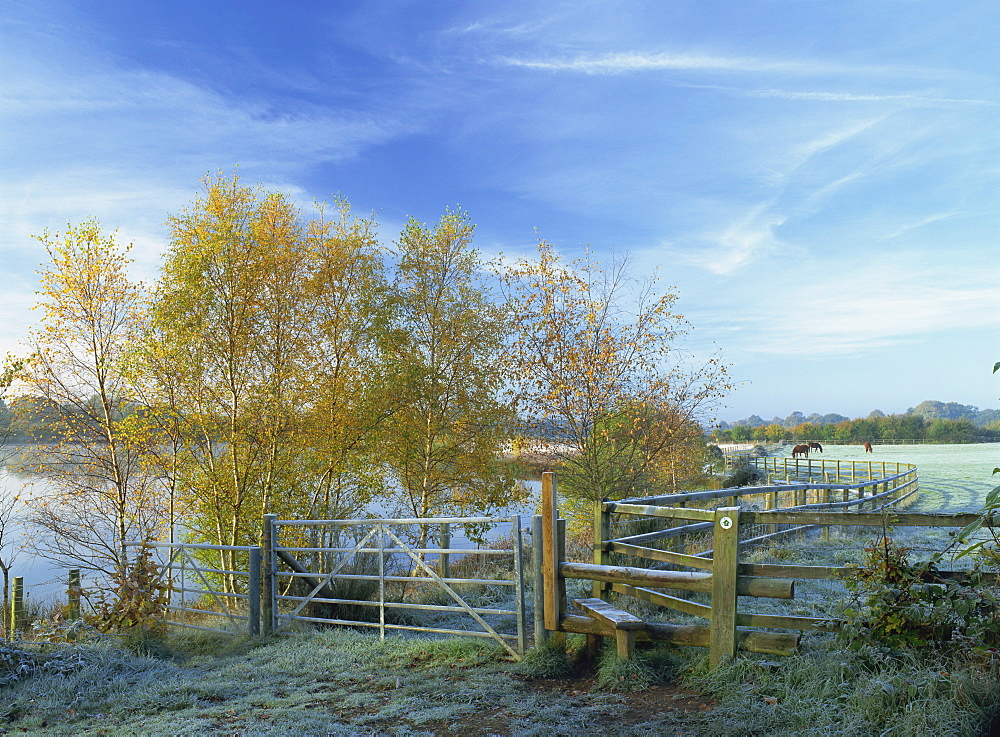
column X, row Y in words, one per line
column 42, row 578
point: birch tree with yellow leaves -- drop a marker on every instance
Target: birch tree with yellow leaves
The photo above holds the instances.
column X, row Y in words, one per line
column 228, row 321
column 263, row 359
column 599, row 375
column 446, row 435
column 353, row 333
column 93, row 495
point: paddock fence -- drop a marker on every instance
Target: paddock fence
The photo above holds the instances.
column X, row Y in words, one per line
column 663, row 549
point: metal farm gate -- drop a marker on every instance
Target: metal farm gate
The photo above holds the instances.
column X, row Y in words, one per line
column 380, row 573
column 198, row 597
column 396, row 575
column 385, row 574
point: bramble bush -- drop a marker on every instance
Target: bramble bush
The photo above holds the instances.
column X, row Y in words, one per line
column 140, row 596
column 902, row 604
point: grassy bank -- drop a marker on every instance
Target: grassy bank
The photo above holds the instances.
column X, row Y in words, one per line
column 340, row 682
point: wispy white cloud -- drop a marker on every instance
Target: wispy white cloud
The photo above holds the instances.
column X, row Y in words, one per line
column 832, row 138
column 793, row 158
column 834, row 309
column 88, row 135
column 910, row 99
column 625, row 62
column 744, row 240
column 920, row 223
column 874, row 321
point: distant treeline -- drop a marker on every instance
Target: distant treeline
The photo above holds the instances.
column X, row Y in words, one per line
column 35, row 420
column 923, row 422
column 928, row 410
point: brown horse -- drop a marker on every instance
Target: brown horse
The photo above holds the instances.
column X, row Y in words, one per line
column 868, row 447
column 816, row 446
column 800, row 450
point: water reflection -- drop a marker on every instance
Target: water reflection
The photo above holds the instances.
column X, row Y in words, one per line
column 43, row 580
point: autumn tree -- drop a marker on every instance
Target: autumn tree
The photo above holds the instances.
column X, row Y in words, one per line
column 228, row 320
column 445, row 438
column 260, row 358
column 352, row 392
column 95, row 496
column 598, row 376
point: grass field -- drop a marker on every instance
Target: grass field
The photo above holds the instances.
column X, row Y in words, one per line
column 953, row 478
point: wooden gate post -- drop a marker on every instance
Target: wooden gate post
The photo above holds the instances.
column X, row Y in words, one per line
column 538, row 584
column 549, row 562
column 73, row 607
column 16, row 605
column 724, row 560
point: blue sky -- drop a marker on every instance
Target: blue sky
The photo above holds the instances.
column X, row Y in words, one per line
column 818, row 179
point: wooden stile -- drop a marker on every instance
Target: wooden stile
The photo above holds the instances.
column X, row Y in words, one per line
column 771, row 588
column 622, row 623
column 770, row 643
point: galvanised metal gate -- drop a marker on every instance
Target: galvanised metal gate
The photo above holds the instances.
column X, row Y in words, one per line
column 389, row 574
column 380, row 573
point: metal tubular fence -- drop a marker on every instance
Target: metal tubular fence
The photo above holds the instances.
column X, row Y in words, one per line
column 844, row 486
column 188, row 575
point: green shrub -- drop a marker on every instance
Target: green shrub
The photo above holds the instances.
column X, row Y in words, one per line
column 140, row 596
column 902, row 604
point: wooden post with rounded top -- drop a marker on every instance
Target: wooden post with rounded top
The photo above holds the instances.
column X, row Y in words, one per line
column 724, row 561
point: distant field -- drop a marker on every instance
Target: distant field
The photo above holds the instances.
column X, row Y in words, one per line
column 953, row 478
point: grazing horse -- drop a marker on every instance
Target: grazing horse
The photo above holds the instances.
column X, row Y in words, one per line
column 800, row 450
column 868, row 447
column 816, row 446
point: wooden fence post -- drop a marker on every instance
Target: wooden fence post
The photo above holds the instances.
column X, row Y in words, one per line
column 16, row 605
column 270, row 579
column 602, row 532
column 559, row 637
column 724, row 561
column 73, row 607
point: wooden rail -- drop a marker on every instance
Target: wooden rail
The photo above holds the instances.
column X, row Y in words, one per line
column 852, row 494
column 639, row 583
